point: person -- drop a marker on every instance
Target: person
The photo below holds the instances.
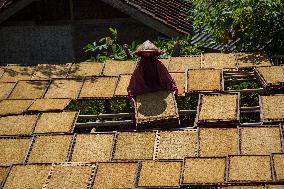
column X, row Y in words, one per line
column 150, row 74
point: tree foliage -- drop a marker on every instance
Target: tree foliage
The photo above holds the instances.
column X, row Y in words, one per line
column 258, row 24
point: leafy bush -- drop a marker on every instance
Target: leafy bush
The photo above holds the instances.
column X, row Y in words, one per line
column 109, row 47
column 167, row 46
column 256, row 23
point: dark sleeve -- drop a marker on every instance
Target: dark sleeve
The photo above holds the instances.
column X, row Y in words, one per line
column 134, row 82
column 131, row 87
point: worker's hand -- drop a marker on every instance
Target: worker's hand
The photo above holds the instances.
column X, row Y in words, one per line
column 176, row 92
column 130, row 96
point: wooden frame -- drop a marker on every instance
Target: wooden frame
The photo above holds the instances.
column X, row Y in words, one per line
column 119, row 162
column 52, row 83
column 157, row 122
column 268, row 121
column 160, row 161
column 222, row 83
column 71, row 130
column 140, row 132
column 260, row 127
column 203, row 62
column 117, row 73
column 47, row 85
column 237, row 152
column 22, row 110
column 72, row 73
column 279, row 85
column 69, row 164
column 181, row 93
column 95, row 133
column 249, row 54
column 158, row 143
column 97, row 97
column 27, row 159
column 274, row 174
column 19, row 138
column 9, row 92
column 6, row 175
column 117, row 84
column 219, row 122
column 23, row 135
column 194, row 56
column 229, row 181
column 30, row 109
column 39, row 75
column 203, row 184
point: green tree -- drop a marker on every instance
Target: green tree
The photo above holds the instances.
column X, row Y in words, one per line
column 256, row 23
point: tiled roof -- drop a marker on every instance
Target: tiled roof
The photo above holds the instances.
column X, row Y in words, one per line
column 172, row 13
column 5, row 3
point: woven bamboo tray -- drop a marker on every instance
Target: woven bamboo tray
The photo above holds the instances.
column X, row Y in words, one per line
column 160, row 174
column 27, row 176
column 58, row 122
column 29, row 89
column 219, row 61
column 272, row 109
column 250, row 60
column 97, row 147
column 115, row 68
column 203, row 171
column 260, row 140
column 70, row 175
column 64, row 88
column 86, row 69
column 248, row 169
column 159, row 113
column 2, row 70
column 180, row 80
column 51, row 71
column 243, row 187
column 181, row 64
column 278, row 166
column 4, row 171
column 176, row 144
column 165, row 61
column 274, row 186
column 42, row 105
column 17, row 125
column 121, row 86
column 204, row 80
column 13, row 150
column 135, row 146
column 14, row 73
column 98, row 88
column 218, row 142
column 116, row 175
column 13, row 107
column 6, row 89
column 218, row 110
column 50, row 148
column 271, row 77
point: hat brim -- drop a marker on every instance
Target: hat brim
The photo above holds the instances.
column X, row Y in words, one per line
column 154, row 52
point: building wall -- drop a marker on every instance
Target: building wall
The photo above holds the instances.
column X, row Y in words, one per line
column 35, row 44
column 55, row 44
column 55, row 31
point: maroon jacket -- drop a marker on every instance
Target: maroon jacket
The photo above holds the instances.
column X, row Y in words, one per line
column 150, row 75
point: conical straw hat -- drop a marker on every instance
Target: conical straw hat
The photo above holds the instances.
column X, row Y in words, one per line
column 146, row 47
